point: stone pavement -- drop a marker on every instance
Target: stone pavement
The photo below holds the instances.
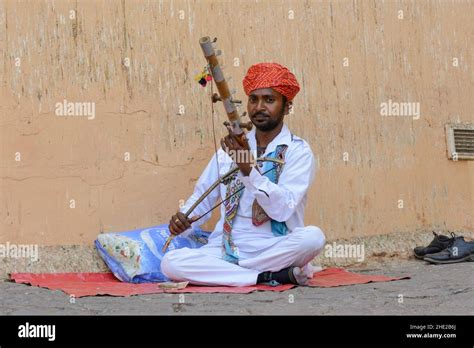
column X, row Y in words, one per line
column 432, row 290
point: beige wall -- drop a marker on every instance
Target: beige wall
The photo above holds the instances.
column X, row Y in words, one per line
column 337, row 111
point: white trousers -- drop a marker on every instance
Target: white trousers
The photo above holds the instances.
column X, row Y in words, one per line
column 205, row 266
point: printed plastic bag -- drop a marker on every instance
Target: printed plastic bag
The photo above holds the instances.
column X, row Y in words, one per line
column 135, row 256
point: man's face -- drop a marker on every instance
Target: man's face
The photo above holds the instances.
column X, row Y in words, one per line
column 266, row 108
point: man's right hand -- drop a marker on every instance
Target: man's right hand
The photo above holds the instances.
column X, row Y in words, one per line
column 180, row 223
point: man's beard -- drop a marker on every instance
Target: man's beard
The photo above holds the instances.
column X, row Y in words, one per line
column 271, row 123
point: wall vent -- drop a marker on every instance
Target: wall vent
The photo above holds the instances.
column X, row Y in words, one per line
column 460, row 141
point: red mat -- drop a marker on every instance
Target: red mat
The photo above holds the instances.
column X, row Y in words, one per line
column 332, row 277
column 92, row 284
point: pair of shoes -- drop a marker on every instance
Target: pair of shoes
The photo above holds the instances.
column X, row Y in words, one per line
column 443, row 249
column 439, row 243
column 458, row 251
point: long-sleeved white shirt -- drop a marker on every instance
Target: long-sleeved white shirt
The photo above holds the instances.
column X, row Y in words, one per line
column 284, row 201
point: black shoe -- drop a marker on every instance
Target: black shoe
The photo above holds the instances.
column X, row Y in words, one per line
column 458, row 251
column 289, row 275
column 438, row 244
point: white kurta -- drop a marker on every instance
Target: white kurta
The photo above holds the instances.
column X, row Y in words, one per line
column 259, row 249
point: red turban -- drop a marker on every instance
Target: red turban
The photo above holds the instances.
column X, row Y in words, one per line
column 271, row 75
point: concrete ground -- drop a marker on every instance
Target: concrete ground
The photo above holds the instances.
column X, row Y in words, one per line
column 432, row 289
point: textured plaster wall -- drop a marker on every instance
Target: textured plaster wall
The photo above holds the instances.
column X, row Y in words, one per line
column 66, row 179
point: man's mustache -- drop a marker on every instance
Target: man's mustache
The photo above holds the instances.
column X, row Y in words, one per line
column 260, row 114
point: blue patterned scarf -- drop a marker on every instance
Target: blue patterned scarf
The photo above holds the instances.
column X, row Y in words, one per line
column 259, row 216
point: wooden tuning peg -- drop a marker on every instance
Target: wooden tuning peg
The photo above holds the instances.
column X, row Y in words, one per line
column 215, row 98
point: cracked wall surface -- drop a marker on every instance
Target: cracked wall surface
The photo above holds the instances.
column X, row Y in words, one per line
column 136, row 61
